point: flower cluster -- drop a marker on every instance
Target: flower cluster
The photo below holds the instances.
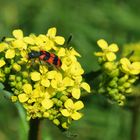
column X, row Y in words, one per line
column 117, row 76
column 44, row 90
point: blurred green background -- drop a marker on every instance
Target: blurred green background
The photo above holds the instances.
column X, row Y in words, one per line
column 87, row 20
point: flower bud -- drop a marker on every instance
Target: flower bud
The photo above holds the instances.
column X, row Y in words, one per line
column 56, row 122
column 109, row 66
column 114, row 73
column 129, row 90
column 123, row 79
column 16, row 67
column 113, row 84
column 7, row 70
column 12, row 77
column 59, row 103
column 126, row 85
column 63, row 98
column 25, row 74
column 18, row 78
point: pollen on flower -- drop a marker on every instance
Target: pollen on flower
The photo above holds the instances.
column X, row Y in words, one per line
column 42, row 88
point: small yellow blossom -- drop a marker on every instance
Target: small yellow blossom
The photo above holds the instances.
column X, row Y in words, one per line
column 10, row 54
column 130, row 68
column 35, row 76
column 108, row 50
column 52, row 35
column 72, row 108
column 23, row 98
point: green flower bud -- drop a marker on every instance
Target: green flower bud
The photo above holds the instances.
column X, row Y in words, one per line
column 25, row 74
column 56, row 122
column 16, row 67
column 63, row 98
column 12, row 61
column 19, row 85
column 13, row 83
column 123, row 79
column 18, row 78
column 122, row 97
column 109, row 66
column 113, row 84
column 51, row 117
column 121, row 88
column 126, row 85
column 55, row 100
column 114, row 73
column 12, row 77
column 100, row 60
column 129, row 90
column 7, row 70
column 65, row 125
column 59, row 103
column 121, row 103
column 113, row 91
column 101, row 90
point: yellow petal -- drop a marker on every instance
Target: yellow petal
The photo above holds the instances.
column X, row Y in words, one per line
column 54, row 83
column 113, row 47
column 2, row 63
column 69, row 103
column 10, row 54
column 29, row 40
column 51, row 74
column 99, row 54
column 35, row 76
column 65, row 112
column 23, row 98
column 3, row 46
column 74, row 52
column 68, row 81
column 76, row 116
column 45, row 82
column 125, row 61
column 136, row 65
column 78, row 105
column 27, row 88
column 102, row 44
column 51, row 32
column 47, row 103
column 20, row 44
column 85, row 86
column 110, row 56
column 61, row 52
column 18, row 34
column 76, row 93
column 59, row 40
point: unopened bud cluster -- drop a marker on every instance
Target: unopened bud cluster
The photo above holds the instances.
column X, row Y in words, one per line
column 117, row 76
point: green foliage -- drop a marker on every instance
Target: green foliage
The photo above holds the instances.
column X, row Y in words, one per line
column 87, row 20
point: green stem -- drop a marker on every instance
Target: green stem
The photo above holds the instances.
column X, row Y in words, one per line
column 34, row 132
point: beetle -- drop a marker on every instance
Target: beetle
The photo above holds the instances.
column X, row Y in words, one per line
column 45, row 56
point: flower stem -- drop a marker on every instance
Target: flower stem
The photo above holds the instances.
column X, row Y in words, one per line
column 34, row 132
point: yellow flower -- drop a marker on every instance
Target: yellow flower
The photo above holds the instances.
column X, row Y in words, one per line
column 72, row 108
column 35, row 76
column 10, row 54
column 130, row 68
column 52, row 35
column 108, row 50
column 23, row 98
column 47, row 103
